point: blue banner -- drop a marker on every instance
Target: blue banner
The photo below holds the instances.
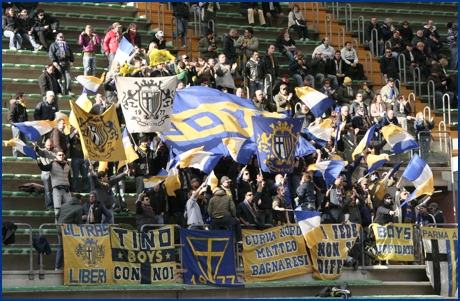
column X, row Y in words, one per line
column 277, row 140
column 209, row 257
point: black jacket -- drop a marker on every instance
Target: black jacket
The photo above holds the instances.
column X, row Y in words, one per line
column 158, row 200
column 137, row 38
column 39, row 25
column 17, row 113
column 24, row 24
column 45, row 111
column 144, row 215
column 143, row 166
column 269, row 68
column 228, row 47
column 382, row 215
column 368, row 30
column 389, row 66
column 54, row 54
column 180, row 10
column 98, row 210
column 276, row 6
column 45, row 81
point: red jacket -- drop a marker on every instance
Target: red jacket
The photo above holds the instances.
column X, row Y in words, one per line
column 111, row 42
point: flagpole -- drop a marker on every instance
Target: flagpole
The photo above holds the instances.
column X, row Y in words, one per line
column 131, row 136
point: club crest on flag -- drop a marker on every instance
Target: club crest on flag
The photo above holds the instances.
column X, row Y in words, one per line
column 91, row 254
column 147, row 103
column 99, row 132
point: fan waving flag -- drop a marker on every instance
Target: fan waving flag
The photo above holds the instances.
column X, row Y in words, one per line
column 364, row 142
column 84, row 103
column 125, row 48
column 100, row 135
column 304, row 148
column 22, row 147
column 374, row 161
column 277, row 140
column 90, row 83
column 160, row 57
column 35, row 129
column 146, row 102
column 399, row 140
column 391, row 172
column 320, row 133
column 315, row 100
column 420, row 174
column 131, row 155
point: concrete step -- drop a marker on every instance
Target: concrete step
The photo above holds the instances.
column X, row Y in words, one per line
column 90, row 8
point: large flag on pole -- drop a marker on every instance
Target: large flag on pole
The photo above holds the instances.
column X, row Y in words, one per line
column 100, row 135
column 315, row 100
column 330, row 169
column 320, row 133
column 146, row 102
column 420, row 174
column 364, row 142
column 376, row 161
column 125, row 48
column 90, row 83
column 35, row 129
column 22, row 147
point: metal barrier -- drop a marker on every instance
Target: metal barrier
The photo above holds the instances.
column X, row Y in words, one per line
column 430, row 87
column 174, row 36
column 414, row 100
column 315, row 21
column 211, row 24
column 374, row 37
column 444, row 108
column 31, row 250
column 361, row 29
column 447, row 143
column 442, row 123
column 348, row 20
column 416, row 77
column 335, row 10
column 161, row 15
column 246, row 88
column 268, row 88
column 402, row 69
column 368, row 62
column 41, row 273
column 196, row 24
column 424, row 113
column 454, row 225
column 340, row 36
column 328, row 33
column 387, row 44
column 355, row 45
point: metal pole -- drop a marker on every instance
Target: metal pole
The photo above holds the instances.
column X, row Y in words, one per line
column 339, row 39
column 429, row 85
column 315, row 20
column 361, row 29
column 403, row 68
column 348, row 20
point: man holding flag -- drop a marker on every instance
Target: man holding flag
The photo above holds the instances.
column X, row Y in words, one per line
column 18, row 113
column 47, row 155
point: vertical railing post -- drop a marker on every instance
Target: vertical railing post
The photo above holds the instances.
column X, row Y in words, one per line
column 315, row 17
column 348, row 19
column 402, row 67
column 361, row 29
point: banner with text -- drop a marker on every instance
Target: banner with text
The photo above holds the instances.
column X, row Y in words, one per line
column 274, row 253
column 441, row 257
column 87, row 254
column 329, row 245
column 209, row 257
column 143, row 258
column 394, row 242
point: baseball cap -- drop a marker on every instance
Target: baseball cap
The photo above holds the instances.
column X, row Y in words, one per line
column 116, row 24
column 50, row 93
column 225, row 179
column 160, row 34
column 185, row 56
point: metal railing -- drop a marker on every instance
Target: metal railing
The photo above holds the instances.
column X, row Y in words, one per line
column 335, row 10
column 41, row 273
column 328, row 32
column 348, row 19
column 174, row 35
column 268, row 88
column 196, row 24
column 417, row 83
column 246, row 88
column 449, row 121
column 340, row 37
column 374, row 46
column 409, row 98
column 189, row 49
column 355, row 46
column 161, row 15
column 361, row 29
column 402, row 67
column 431, row 90
column 315, row 15
column 442, row 123
column 369, row 65
column 429, row 113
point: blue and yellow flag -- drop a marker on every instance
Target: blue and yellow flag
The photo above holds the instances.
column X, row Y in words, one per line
column 209, row 257
column 100, row 135
column 203, row 117
column 277, row 140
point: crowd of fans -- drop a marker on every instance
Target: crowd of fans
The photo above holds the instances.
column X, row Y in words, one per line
column 245, row 196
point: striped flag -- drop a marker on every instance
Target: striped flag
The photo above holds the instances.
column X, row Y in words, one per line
column 307, row 221
column 22, row 147
column 399, row 140
column 35, row 129
column 364, row 142
column 320, row 133
column 90, row 83
column 330, row 169
column 241, row 149
column 123, row 52
column 375, row 161
column 420, row 174
column 315, row 100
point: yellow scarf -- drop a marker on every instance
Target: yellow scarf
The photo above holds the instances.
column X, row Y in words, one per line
column 143, row 148
column 21, row 103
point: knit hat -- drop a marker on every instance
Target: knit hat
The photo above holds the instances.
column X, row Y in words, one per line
column 94, row 192
column 209, row 31
column 347, row 80
column 50, row 93
column 433, row 205
column 388, row 196
column 143, row 139
column 424, row 206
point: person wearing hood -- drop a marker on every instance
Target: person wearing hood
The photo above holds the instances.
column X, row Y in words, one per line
column 61, row 56
column 385, row 212
column 71, row 213
column 94, row 209
column 144, row 212
column 222, row 211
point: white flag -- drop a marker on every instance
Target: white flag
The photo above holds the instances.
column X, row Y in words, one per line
column 146, row 102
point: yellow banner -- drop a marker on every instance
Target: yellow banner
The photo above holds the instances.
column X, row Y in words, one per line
column 394, row 242
column 100, row 135
column 329, row 245
column 87, row 254
column 274, row 253
column 143, row 258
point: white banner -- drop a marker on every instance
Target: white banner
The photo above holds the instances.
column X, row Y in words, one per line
column 146, row 102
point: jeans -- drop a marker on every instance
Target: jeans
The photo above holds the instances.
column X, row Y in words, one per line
column 31, row 40
column 266, row 215
column 64, row 68
column 182, row 26
column 290, row 55
column 301, row 31
column 89, row 63
column 60, row 196
column 159, row 220
column 15, row 39
column 229, row 221
column 60, row 251
column 46, row 178
column 334, row 83
column 254, row 86
column 454, row 56
column 43, row 36
column 106, row 220
column 79, row 167
column 18, row 134
column 110, row 57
